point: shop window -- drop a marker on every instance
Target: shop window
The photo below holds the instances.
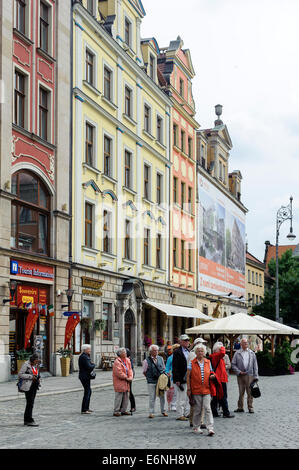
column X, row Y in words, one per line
column 30, row 214
column 107, row 324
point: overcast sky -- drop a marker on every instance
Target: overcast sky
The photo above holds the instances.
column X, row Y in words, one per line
column 246, row 57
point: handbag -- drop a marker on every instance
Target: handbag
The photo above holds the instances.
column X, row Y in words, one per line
column 19, row 385
column 255, row 390
column 92, row 375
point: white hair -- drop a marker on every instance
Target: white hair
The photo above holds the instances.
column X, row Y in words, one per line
column 120, row 350
column 200, row 346
column 85, row 346
column 244, row 339
column 217, row 346
column 152, row 346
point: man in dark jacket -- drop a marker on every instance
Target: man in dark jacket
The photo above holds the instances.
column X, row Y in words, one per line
column 179, row 373
column 85, row 368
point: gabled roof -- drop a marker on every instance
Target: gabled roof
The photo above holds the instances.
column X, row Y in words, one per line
column 221, row 130
column 271, row 252
column 250, row 257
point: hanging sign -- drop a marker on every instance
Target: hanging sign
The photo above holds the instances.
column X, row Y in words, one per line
column 71, row 324
column 30, row 323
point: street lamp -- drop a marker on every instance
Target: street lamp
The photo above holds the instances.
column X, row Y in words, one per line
column 283, row 214
column 12, row 290
column 69, row 294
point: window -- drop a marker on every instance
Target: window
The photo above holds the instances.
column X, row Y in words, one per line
column 159, row 188
column 20, row 98
column 175, row 135
column 159, row 130
column 89, row 60
column 106, row 318
column 190, row 257
column 147, row 118
column 20, row 12
column 182, row 87
column 107, row 241
column 107, row 83
column 175, row 251
column 152, row 67
column 30, row 214
column 175, row 189
column 128, row 169
column 147, row 170
column 44, row 26
column 44, row 115
column 127, row 239
column 89, row 144
column 190, row 199
column 182, row 195
column 182, row 254
column 252, row 277
column 256, row 279
column 128, row 101
column 249, row 277
column 183, row 141
column 88, row 225
column 260, row 278
column 107, row 156
column 89, row 6
column 127, row 32
column 158, row 251
column 190, row 147
column 146, row 246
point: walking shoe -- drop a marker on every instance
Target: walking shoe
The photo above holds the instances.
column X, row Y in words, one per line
column 151, row 416
column 182, row 418
column 251, row 410
column 164, row 414
column 239, row 410
column 216, row 415
column 132, row 410
column 90, row 411
column 116, row 414
column 125, row 413
column 30, row 424
column 197, row 431
column 203, row 426
column 173, row 408
column 211, row 433
column 87, row 412
column 228, row 416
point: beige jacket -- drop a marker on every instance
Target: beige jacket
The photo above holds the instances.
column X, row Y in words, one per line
column 26, row 374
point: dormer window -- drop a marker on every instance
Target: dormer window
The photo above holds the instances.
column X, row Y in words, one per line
column 152, row 67
column 90, row 6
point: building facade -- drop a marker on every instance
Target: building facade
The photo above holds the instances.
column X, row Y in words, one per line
column 255, row 289
column 35, row 155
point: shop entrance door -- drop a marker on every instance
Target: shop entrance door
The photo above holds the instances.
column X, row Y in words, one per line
column 129, row 320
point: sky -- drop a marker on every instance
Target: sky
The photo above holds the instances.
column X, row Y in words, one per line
column 246, row 57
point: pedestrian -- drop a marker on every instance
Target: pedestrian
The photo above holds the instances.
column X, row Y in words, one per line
column 192, row 356
column 153, row 367
column 86, row 367
column 218, row 364
column 122, row 376
column 179, row 373
column 30, row 377
column 168, row 349
column 244, row 364
column 171, row 393
column 131, row 396
column 199, row 389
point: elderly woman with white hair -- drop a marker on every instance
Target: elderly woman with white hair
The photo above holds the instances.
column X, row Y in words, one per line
column 122, row 375
column 153, row 367
column 217, row 359
column 86, row 367
column 199, row 389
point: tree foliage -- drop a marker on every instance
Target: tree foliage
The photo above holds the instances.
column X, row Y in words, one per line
column 288, row 272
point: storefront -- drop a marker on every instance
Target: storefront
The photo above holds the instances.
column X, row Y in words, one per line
column 31, row 299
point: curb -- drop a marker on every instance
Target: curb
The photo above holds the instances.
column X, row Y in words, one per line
column 60, row 392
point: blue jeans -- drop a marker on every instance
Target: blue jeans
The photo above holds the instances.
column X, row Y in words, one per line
column 87, row 394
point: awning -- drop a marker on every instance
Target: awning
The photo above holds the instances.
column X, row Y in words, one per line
column 178, row 311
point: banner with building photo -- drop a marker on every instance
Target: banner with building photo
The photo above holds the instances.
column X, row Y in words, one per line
column 221, row 237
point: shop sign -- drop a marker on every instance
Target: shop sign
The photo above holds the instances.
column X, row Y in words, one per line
column 31, row 270
column 92, row 287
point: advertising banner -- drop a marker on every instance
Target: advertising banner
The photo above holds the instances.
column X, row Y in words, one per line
column 71, row 324
column 221, row 236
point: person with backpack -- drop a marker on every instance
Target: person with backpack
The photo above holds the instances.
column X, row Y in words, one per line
column 29, row 383
column 153, row 367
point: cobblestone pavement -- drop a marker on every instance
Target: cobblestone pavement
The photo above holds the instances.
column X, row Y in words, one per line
column 273, row 425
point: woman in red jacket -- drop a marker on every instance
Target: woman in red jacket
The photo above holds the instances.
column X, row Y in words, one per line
column 218, row 364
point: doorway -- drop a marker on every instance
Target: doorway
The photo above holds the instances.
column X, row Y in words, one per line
column 129, row 321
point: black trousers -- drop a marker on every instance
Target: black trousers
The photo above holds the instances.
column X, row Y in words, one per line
column 132, row 398
column 223, row 403
column 87, row 394
column 30, row 397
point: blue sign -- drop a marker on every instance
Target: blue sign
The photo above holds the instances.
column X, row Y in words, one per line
column 14, row 267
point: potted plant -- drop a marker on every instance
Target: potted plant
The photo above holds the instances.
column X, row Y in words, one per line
column 99, row 325
column 22, row 356
column 147, row 341
column 65, row 361
column 86, row 323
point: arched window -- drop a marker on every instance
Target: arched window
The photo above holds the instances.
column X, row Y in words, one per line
column 30, row 213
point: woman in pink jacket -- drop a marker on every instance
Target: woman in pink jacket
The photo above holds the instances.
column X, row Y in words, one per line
column 122, row 376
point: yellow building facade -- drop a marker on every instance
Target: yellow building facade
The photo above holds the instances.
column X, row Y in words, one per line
column 121, row 170
column 255, row 288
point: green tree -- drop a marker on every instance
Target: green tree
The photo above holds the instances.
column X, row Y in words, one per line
column 288, row 271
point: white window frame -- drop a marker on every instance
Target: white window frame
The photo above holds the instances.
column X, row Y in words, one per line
column 160, row 173
column 162, row 129
column 151, row 56
column 50, row 133
column 27, row 18
column 149, row 165
column 112, row 138
column 93, row 13
column 130, row 20
column 146, row 227
column 95, row 152
column 50, row 50
column 93, row 204
column 112, row 94
column 27, row 91
column 128, row 85
column 146, row 104
column 161, row 251
column 129, row 219
column 88, row 48
column 128, row 149
column 110, row 213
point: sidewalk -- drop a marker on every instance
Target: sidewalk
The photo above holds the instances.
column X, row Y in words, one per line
column 58, row 385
